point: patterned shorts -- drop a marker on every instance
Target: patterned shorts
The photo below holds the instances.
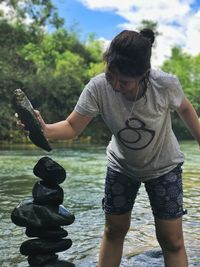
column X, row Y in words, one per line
column 165, row 194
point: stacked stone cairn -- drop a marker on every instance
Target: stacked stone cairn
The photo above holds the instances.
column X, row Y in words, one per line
column 43, row 215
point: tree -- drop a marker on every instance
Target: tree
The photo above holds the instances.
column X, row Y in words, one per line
column 36, row 13
column 95, row 49
column 186, row 67
column 51, row 68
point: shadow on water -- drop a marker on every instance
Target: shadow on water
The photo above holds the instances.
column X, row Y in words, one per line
column 83, row 188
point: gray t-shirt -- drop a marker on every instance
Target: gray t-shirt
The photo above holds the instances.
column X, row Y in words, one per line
column 143, row 145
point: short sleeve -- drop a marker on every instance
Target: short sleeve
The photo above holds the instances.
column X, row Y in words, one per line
column 87, row 104
column 175, row 94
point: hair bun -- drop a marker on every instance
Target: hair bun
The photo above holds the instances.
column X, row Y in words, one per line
column 149, row 34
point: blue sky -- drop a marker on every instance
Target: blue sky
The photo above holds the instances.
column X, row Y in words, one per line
column 103, row 23
column 178, row 21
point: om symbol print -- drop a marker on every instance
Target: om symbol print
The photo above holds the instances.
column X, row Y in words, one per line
column 135, row 135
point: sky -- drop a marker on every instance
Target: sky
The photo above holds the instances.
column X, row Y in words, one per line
column 178, row 21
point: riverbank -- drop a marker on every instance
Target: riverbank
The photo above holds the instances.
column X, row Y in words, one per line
column 26, row 143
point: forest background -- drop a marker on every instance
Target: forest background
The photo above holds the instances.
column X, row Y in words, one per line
column 53, row 67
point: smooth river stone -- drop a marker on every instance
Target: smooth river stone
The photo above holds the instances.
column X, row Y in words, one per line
column 27, row 214
column 45, row 195
column 58, row 263
column 41, row 259
column 50, row 171
column 45, row 233
column 42, row 246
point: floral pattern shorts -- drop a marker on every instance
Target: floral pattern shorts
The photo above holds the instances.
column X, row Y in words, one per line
column 165, row 194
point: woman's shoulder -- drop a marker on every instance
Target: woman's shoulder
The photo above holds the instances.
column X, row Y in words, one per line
column 98, row 83
column 162, row 78
column 99, row 79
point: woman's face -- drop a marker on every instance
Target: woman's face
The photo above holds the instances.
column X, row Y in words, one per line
column 128, row 86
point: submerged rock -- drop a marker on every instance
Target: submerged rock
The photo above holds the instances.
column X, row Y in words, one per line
column 50, row 171
column 28, row 214
column 25, row 111
column 153, row 258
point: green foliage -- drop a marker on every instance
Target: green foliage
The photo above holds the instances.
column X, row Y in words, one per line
column 187, row 68
column 38, row 13
column 95, row 68
column 94, row 48
column 51, row 68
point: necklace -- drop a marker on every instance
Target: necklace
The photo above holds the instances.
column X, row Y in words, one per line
column 134, row 102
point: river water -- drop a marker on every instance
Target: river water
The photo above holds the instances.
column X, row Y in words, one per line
column 83, row 188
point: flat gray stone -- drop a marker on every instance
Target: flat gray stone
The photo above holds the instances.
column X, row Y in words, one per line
column 42, row 246
column 46, row 233
column 41, row 259
column 28, row 214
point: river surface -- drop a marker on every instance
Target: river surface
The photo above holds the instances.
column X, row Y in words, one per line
column 83, row 189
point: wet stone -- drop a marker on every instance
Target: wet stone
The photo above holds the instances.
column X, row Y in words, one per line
column 43, row 215
column 25, row 111
column 45, row 195
column 59, row 263
column 42, row 246
column 50, row 171
column 45, row 233
column 153, row 257
column 28, row 214
column 41, row 259
column 63, row 211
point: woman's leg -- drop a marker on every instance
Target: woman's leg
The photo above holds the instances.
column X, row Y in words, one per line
column 166, row 198
column 170, row 237
column 116, row 227
column 120, row 194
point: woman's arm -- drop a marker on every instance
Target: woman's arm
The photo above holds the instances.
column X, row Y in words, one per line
column 188, row 114
column 74, row 124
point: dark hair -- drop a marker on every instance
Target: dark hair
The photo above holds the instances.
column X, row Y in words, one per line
column 130, row 52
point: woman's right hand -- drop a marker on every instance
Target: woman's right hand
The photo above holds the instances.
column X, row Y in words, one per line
column 22, row 126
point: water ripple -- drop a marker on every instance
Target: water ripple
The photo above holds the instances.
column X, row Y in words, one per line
column 83, row 190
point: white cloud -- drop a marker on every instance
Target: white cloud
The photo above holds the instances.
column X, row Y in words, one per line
column 8, row 12
column 193, row 34
column 177, row 22
column 105, row 43
column 107, row 5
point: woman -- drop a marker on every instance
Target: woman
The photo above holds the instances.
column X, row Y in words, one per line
column 135, row 102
